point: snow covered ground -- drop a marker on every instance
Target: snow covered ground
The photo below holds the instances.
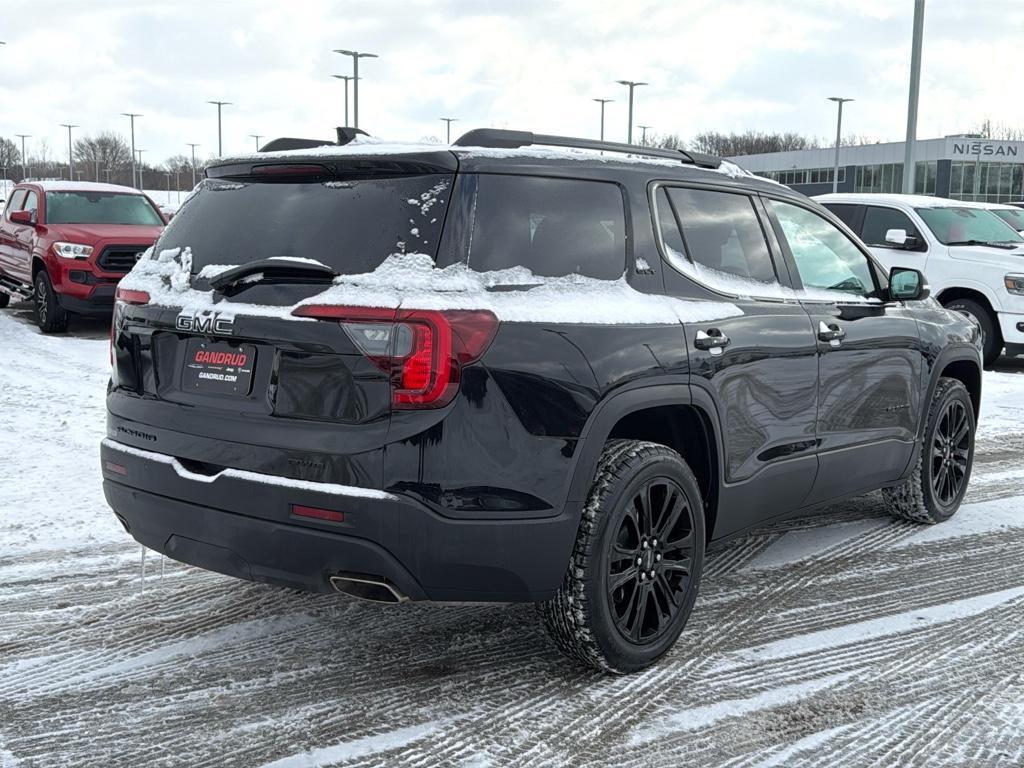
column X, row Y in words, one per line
column 844, row 639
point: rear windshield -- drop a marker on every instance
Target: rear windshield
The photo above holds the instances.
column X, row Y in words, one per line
column 967, row 225
column 100, row 208
column 351, row 225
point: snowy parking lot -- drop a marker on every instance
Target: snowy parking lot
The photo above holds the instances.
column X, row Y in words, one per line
column 842, row 639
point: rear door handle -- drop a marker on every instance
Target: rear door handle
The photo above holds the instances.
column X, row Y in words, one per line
column 712, row 339
column 832, row 333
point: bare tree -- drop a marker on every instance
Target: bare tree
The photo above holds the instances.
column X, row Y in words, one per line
column 998, row 131
column 9, row 154
column 107, row 148
column 750, row 142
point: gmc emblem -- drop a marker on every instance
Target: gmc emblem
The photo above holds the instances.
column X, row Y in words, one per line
column 205, row 324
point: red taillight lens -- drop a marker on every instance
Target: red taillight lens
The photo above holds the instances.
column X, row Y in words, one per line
column 423, row 351
column 129, row 296
column 318, row 514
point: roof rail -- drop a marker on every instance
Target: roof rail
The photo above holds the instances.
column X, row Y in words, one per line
column 345, row 135
column 502, row 139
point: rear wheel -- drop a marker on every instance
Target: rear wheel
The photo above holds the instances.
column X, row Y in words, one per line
column 936, row 487
column 991, row 337
column 635, row 568
column 50, row 316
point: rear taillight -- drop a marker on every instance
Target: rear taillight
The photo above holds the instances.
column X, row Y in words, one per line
column 129, row 296
column 423, row 351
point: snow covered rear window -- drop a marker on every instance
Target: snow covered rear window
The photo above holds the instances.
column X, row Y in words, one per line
column 551, row 226
column 351, row 225
column 87, row 207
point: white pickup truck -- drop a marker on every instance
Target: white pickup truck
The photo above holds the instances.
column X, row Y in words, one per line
column 973, row 259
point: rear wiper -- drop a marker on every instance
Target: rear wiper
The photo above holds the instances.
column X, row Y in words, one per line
column 272, row 270
column 989, row 243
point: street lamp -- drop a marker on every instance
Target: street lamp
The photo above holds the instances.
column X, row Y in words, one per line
column 839, row 128
column 448, row 127
column 602, row 102
column 131, row 118
column 356, row 56
column 220, row 104
column 345, row 78
column 71, row 159
column 107, row 172
column 257, row 137
column 913, row 91
column 24, row 157
column 139, row 153
column 643, row 135
column 632, row 84
column 193, row 164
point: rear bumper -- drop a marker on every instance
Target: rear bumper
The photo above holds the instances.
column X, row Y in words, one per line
column 241, row 524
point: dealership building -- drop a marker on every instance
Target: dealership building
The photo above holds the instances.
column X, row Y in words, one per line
column 958, row 167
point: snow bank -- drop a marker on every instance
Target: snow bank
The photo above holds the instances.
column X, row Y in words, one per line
column 412, row 281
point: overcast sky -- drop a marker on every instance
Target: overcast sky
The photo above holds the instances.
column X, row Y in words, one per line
column 715, row 65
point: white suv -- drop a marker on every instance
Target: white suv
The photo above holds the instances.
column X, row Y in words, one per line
column 973, row 259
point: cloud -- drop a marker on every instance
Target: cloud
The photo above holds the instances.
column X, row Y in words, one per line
column 526, row 64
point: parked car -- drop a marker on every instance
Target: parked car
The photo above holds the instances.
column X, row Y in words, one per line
column 1011, row 214
column 66, row 245
column 499, row 372
column 973, row 259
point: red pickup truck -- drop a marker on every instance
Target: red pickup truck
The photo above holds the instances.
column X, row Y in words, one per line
column 66, row 245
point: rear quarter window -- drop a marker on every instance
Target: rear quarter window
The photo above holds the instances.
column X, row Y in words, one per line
column 551, row 226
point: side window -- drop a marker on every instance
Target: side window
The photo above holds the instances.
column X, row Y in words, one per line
column 31, row 202
column 847, row 213
column 824, row 256
column 14, row 204
column 551, row 226
column 721, row 232
column 878, row 221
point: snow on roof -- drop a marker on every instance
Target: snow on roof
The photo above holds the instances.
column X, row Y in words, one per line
column 363, row 145
column 84, row 186
column 916, row 201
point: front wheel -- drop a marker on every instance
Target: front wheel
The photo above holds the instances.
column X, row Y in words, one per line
column 936, row 487
column 5, row 299
column 635, row 568
column 991, row 336
column 50, row 316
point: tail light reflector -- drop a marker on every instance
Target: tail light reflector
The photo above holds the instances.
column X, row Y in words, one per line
column 128, row 296
column 317, row 513
column 423, row 351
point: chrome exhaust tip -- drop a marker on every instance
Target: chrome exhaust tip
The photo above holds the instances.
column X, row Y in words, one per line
column 364, row 587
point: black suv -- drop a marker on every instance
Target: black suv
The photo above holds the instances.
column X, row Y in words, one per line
column 501, row 372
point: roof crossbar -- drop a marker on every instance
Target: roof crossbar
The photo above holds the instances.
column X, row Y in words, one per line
column 503, row 139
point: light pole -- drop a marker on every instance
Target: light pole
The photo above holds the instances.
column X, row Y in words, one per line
column 602, row 102
column 107, row 172
column 448, row 127
column 131, row 118
column 632, row 84
column 643, row 135
column 356, row 56
column 839, row 100
column 139, row 153
column 346, row 79
column 257, row 137
column 24, row 157
column 915, row 87
column 220, row 104
column 71, row 159
column 193, row 164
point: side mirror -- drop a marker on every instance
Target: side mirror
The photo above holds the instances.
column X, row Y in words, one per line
column 900, row 238
column 907, row 284
column 23, row 217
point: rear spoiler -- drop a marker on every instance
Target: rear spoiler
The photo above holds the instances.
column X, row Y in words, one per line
column 345, row 135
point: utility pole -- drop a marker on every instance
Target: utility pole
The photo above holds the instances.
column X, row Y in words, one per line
column 257, row 137
column 643, row 136
column 97, row 170
column 107, row 172
column 71, row 158
column 131, row 118
column 346, row 79
column 448, row 127
column 602, row 102
column 915, row 88
column 839, row 133
column 24, row 157
column 193, row 164
column 632, row 84
column 220, row 146
column 356, row 56
column 139, row 153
